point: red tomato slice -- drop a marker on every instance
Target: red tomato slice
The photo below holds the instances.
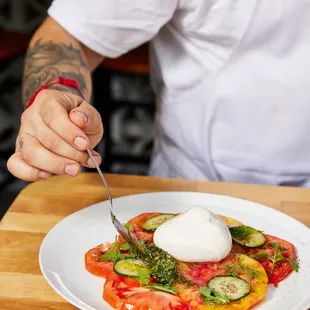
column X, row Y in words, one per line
column 93, row 263
column 121, row 296
column 281, row 269
column 105, row 269
column 201, row 273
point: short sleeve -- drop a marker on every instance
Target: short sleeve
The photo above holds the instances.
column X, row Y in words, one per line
column 112, row 27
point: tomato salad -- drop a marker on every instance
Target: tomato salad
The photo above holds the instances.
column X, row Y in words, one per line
column 157, row 281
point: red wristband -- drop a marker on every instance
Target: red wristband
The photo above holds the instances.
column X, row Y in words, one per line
column 62, row 81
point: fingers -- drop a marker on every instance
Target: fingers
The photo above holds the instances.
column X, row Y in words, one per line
column 53, row 142
column 20, row 169
column 88, row 118
column 58, row 121
column 54, row 135
column 82, row 130
column 36, row 155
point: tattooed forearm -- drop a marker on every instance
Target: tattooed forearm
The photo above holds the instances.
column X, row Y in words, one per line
column 46, row 61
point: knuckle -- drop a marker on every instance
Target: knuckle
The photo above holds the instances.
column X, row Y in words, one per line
column 90, row 111
column 79, row 156
column 51, row 142
column 25, row 117
column 66, row 100
column 28, row 154
column 48, row 115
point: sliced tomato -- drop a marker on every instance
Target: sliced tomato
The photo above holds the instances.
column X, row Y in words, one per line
column 191, row 295
column 281, row 269
column 105, row 269
column 201, row 273
column 137, row 230
column 121, row 296
column 93, row 263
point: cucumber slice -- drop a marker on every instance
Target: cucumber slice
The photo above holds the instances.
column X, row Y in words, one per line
column 129, row 267
column 154, row 222
column 233, row 287
column 247, row 236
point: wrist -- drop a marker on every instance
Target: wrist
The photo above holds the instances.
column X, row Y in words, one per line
column 68, row 84
column 67, row 89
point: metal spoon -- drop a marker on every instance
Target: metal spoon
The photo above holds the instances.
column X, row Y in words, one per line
column 122, row 230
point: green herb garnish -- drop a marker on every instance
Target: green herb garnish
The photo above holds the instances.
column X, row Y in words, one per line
column 165, row 288
column 144, row 276
column 250, row 272
column 261, row 255
column 211, row 298
column 234, row 270
column 276, row 257
column 163, row 266
column 115, row 253
column 124, row 246
column 129, row 227
column 160, row 265
column 276, row 245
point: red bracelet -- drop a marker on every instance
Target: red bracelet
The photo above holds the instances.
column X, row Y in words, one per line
column 62, row 81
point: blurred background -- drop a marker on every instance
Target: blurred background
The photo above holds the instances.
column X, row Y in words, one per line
column 121, row 92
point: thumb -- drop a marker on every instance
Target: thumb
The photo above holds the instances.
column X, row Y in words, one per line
column 89, row 120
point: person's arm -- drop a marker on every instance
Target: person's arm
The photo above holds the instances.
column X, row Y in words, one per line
column 54, row 53
column 60, row 124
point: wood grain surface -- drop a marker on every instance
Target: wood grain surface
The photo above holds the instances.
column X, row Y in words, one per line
column 43, row 204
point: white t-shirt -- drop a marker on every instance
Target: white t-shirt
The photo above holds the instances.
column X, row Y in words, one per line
column 232, row 79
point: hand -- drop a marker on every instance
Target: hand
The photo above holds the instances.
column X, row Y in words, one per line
column 54, row 134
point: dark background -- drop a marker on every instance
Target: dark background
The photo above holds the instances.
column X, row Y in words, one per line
column 123, row 97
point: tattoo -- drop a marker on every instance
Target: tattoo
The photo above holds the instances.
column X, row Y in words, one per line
column 46, row 61
column 21, row 143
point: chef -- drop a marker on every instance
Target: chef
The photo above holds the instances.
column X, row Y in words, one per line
column 231, row 79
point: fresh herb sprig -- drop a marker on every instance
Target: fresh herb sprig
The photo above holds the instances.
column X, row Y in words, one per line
column 144, row 277
column 276, row 257
column 115, row 254
column 129, row 227
column 165, row 288
column 234, row 270
column 211, row 298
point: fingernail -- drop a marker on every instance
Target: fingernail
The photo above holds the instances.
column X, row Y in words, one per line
column 80, row 142
column 72, row 170
column 82, row 115
column 97, row 159
column 44, row 175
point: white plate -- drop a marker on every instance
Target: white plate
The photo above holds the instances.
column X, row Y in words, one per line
column 62, row 251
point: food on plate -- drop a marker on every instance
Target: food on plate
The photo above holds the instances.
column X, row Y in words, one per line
column 247, row 236
column 194, row 260
column 239, row 282
column 205, row 237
